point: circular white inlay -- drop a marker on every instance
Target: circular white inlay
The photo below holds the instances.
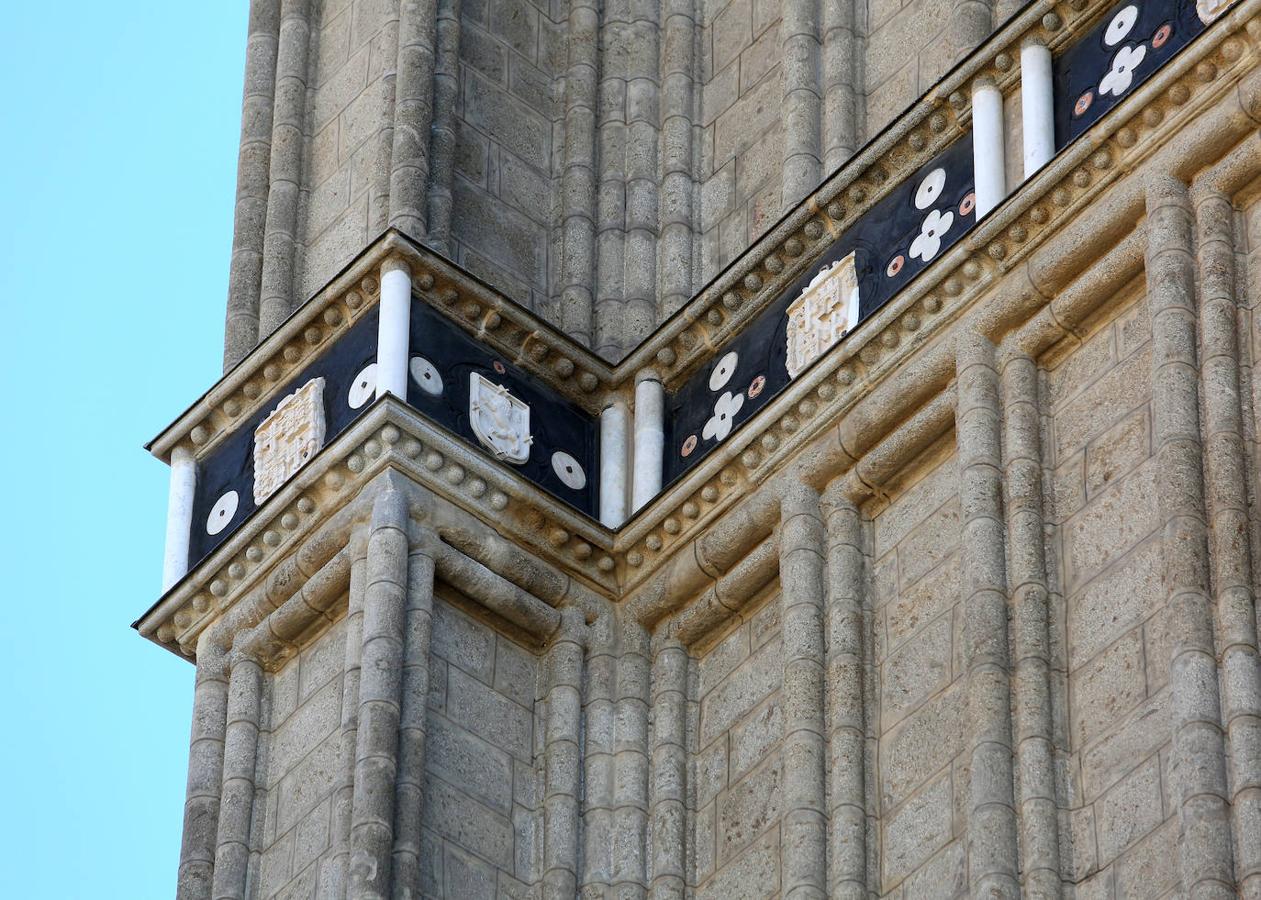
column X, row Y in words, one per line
column 723, row 371
column 568, row 470
column 1120, row 25
column 426, row 376
column 364, row 387
column 222, row 513
column 930, row 188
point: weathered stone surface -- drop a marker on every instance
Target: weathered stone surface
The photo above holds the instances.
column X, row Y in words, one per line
column 917, row 830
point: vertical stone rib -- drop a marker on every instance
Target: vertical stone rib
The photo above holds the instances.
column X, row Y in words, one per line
column 1035, row 736
column 669, row 770
column 630, row 765
column 842, row 80
column 1198, row 765
column 343, row 797
column 991, row 827
column 287, row 139
column 610, row 264
column 578, row 176
column 847, row 714
column 1226, row 469
column 442, row 136
column 236, row 806
column 380, row 681
column 413, row 112
column 414, row 697
column 205, row 773
column 597, row 817
column 642, row 175
column 801, row 578
column 799, row 50
column 561, row 753
column 253, row 163
column 678, row 114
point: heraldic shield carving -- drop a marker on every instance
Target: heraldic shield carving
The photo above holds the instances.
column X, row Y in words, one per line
column 286, row 440
column 500, row 421
column 825, row 312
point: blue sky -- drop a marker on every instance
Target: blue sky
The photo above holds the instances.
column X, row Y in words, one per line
column 118, row 138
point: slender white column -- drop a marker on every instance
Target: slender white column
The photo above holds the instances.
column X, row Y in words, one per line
column 393, row 327
column 650, row 403
column 1037, row 94
column 988, row 156
column 613, row 468
column 179, row 516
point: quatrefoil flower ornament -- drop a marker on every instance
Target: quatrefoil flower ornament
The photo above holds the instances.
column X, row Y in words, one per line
column 927, row 243
column 719, row 424
column 1121, row 75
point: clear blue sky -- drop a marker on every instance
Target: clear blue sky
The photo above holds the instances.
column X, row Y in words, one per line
column 118, row 136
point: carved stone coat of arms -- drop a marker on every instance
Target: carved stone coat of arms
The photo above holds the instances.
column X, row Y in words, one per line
column 825, row 312
column 500, row 420
column 286, row 440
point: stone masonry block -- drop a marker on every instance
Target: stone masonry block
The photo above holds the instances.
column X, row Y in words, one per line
column 306, row 728
column 754, row 875
column 462, row 642
column 744, row 689
column 930, row 543
column 921, row 744
column 469, row 763
column 732, row 32
column 489, row 714
column 923, row 601
column 918, row 669
column 1114, row 602
column 500, row 233
column 507, row 120
column 463, row 820
column 467, row 877
column 1111, row 524
column 1106, row 688
column 917, row 830
column 747, row 118
column 1137, row 736
column 1080, row 369
column 723, row 658
column 1118, row 450
column 1096, row 409
column 308, row 783
column 755, row 736
column 1129, row 810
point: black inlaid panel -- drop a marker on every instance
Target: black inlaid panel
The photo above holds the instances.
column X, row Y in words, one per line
column 230, row 468
column 892, row 243
column 562, row 455
column 1125, row 49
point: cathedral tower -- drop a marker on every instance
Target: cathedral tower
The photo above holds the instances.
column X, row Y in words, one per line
column 729, row 449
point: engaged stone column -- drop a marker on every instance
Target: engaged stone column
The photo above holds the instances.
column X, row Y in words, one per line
column 992, row 862
column 376, row 752
column 846, row 664
column 562, row 759
column 236, row 808
column 179, row 516
column 613, row 464
column 393, row 328
column 205, row 773
column 408, row 787
column 1037, row 97
column 649, row 438
column 630, row 764
column 669, row 770
column 988, row 152
column 343, row 798
column 413, row 115
column 801, row 576
column 1198, row 765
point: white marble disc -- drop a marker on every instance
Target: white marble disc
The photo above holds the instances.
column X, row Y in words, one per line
column 568, row 470
column 723, row 371
column 930, row 188
column 1120, row 25
column 222, row 513
column 426, row 375
column 364, row 387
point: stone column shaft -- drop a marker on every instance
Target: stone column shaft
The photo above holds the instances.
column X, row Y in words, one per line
column 609, row 312
column 205, row 773
column 562, row 759
column 669, row 770
column 1198, row 763
column 414, row 698
column 678, row 118
column 1035, row 747
column 599, row 713
column 578, row 173
column 614, row 463
column 799, row 49
column 841, row 78
column 988, row 152
column 288, row 137
column 394, row 329
column 380, row 683
column 179, row 516
column 643, row 176
column 630, row 765
column 446, row 89
column 649, row 439
column 850, row 813
column 991, row 826
column 253, row 162
column 343, row 797
column 1037, row 106
column 801, row 576
column 236, row 805
column 413, row 116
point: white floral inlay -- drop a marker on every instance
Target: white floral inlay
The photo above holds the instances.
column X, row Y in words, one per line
column 719, row 424
column 930, row 188
column 1120, row 26
column 928, row 242
column 723, row 371
column 1121, row 75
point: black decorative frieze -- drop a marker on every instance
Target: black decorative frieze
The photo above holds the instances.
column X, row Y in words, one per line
column 308, row 412
column 503, row 411
column 878, row 256
column 1126, row 48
